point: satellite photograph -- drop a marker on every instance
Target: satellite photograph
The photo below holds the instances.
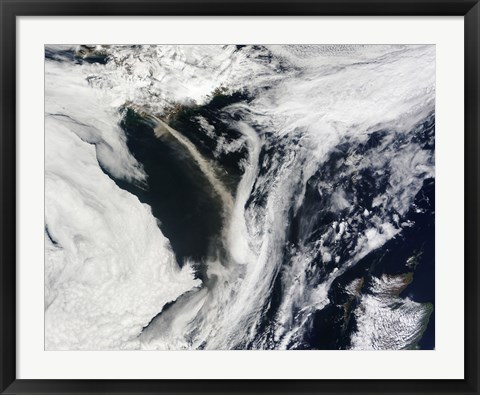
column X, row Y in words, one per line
column 239, row 197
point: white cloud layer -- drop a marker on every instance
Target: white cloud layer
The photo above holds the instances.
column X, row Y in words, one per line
column 108, row 268
column 386, row 321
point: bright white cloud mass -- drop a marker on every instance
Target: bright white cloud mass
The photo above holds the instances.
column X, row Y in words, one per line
column 239, row 197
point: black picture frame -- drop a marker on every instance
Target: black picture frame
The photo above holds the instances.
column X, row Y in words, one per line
column 9, row 10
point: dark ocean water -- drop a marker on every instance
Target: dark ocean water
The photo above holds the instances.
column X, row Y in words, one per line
column 189, row 215
column 330, row 331
column 178, row 192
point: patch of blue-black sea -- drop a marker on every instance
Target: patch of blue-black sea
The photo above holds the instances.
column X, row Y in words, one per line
column 410, row 253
